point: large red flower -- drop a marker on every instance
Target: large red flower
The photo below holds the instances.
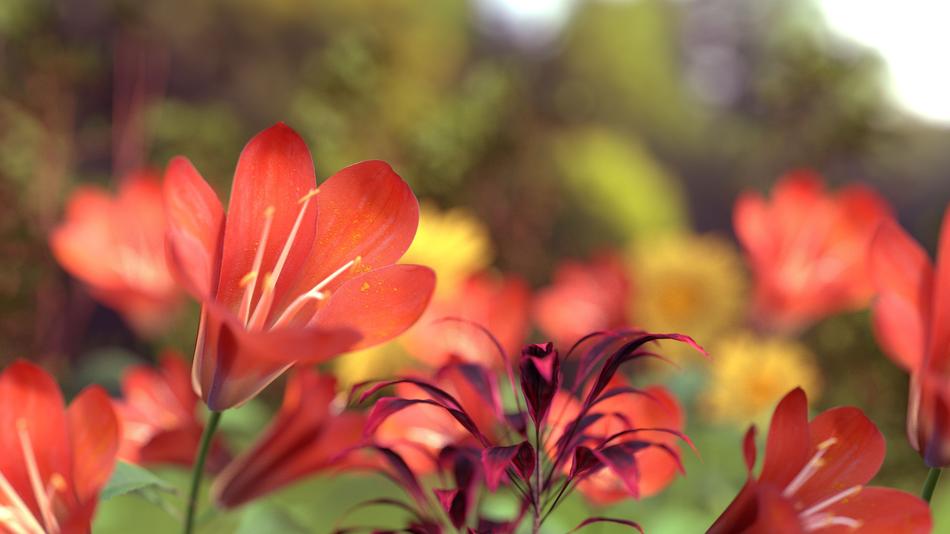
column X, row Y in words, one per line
column 807, row 248
column 293, row 273
column 116, row 247
column 814, row 478
column 584, row 298
column 452, row 326
column 159, row 413
column 912, row 323
column 309, row 434
column 53, row 460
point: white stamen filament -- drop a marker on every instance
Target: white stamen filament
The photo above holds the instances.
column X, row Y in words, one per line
column 250, row 279
column 812, row 467
column 822, row 521
column 17, row 515
column 315, row 293
column 831, row 500
column 262, row 308
column 43, row 500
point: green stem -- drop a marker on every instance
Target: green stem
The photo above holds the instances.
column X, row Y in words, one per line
column 930, row 484
column 199, row 469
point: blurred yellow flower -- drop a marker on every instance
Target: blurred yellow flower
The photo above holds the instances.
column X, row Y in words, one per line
column 381, row 361
column 690, row 284
column 454, row 243
column 749, row 374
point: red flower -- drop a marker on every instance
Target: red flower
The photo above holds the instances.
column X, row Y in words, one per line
column 651, row 408
column 280, row 284
column 814, row 477
column 116, row 247
column 807, row 248
column 912, row 322
column 308, row 435
column 53, row 461
column 159, row 416
column 419, row 432
column 584, row 298
column 498, row 304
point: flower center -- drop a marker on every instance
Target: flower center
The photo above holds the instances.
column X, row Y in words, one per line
column 255, row 317
column 815, row 517
column 15, row 514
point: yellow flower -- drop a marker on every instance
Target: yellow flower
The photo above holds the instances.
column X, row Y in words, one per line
column 690, row 284
column 381, row 361
column 454, row 243
column 749, row 374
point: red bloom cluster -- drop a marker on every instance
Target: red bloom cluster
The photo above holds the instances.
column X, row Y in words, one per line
column 814, row 478
column 808, row 249
column 280, row 285
column 555, row 439
column 912, row 322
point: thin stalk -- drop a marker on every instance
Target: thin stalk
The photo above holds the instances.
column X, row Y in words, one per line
column 198, row 471
column 536, row 526
column 930, row 484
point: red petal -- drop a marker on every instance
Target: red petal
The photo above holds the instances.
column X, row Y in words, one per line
column 232, row 365
column 94, row 429
column 304, row 439
column 501, row 305
column 80, row 244
column 366, row 211
column 751, row 222
column 883, row 511
column 938, row 358
column 29, row 396
column 275, row 170
column 749, row 451
column 788, row 447
column 903, row 276
column 380, row 304
column 195, row 224
column 853, row 459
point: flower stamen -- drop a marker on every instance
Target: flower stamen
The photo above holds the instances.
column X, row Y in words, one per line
column 812, row 467
column 250, row 279
column 43, row 500
column 315, row 293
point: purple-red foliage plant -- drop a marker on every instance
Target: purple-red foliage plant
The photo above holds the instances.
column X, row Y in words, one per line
column 521, row 445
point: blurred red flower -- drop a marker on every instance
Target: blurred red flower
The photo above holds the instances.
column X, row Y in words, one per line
column 912, row 322
column 419, row 432
column 53, row 460
column 116, row 247
column 160, row 423
column 808, row 248
column 452, row 326
column 653, row 407
column 584, row 298
column 814, row 478
column 280, row 285
column 309, row 434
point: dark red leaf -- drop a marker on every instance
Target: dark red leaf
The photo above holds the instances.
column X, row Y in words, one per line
column 592, row 520
column 540, row 378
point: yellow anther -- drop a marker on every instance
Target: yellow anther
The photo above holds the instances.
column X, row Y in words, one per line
column 58, row 482
column 270, row 281
column 365, row 287
column 269, row 211
column 310, row 194
column 247, row 279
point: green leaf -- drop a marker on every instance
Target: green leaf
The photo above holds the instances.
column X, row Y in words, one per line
column 128, row 478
